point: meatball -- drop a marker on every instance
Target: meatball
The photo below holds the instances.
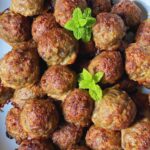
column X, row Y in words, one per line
column 138, row 63
column 98, row 138
column 35, row 145
column 99, row 6
column 108, row 31
column 78, row 107
column 58, row 81
column 67, row 135
column 19, row 68
column 137, row 137
column 5, row 94
column 13, row 126
column 27, row 7
column 143, row 33
column 64, row 9
column 14, row 28
column 115, row 111
column 42, row 24
column 76, row 147
column 109, row 62
column 26, row 93
column 39, row 118
column 58, row 47
column 129, row 11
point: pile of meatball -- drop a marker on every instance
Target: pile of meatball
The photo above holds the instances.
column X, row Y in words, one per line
column 39, row 76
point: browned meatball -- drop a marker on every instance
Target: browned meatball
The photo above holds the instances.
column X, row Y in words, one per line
column 99, row 6
column 138, row 63
column 137, row 137
column 143, row 33
column 26, row 93
column 78, row 107
column 109, row 62
column 98, row 138
column 5, row 94
column 76, row 147
column 42, row 24
column 35, row 145
column 27, row 7
column 108, row 31
column 39, row 118
column 13, row 125
column 129, row 11
column 58, row 81
column 14, row 28
column 19, row 68
column 64, row 9
column 58, row 47
column 115, row 111
column 67, row 135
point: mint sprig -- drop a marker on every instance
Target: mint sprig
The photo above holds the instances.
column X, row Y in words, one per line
column 81, row 24
column 89, row 82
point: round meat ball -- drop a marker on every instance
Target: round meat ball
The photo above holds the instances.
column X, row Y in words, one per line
column 39, row 118
column 19, row 68
column 76, row 147
column 137, row 137
column 129, row 11
column 67, row 135
column 78, row 108
column 58, row 47
column 138, row 63
column 13, row 126
column 24, row 94
column 58, row 81
column 35, row 145
column 109, row 62
column 14, row 28
column 27, row 7
column 115, row 111
column 42, row 24
column 108, row 31
column 143, row 33
column 64, row 9
column 5, row 94
column 99, row 6
column 98, row 138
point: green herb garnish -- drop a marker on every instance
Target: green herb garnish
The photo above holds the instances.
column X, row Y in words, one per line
column 81, row 24
column 88, row 81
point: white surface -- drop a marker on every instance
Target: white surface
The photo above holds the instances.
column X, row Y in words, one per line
column 5, row 143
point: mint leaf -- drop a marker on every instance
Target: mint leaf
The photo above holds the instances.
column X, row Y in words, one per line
column 90, row 21
column 70, row 25
column 85, row 84
column 86, row 37
column 87, row 12
column 86, row 75
column 96, row 93
column 82, row 22
column 77, row 15
column 78, row 32
column 98, row 76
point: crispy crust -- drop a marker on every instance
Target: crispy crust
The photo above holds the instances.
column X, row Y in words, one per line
column 64, row 9
column 58, row 47
column 39, row 118
column 27, row 7
column 109, row 62
column 138, row 63
column 19, row 68
column 129, row 11
column 115, row 111
column 14, row 28
column 58, row 81
column 108, row 31
column 67, row 135
column 42, row 24
column 98, row 138
column 137, row 136
column 78, row 107
column 13, row 125
column 76, row 147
